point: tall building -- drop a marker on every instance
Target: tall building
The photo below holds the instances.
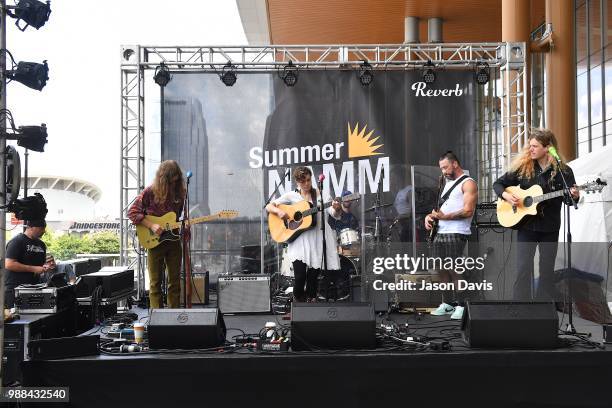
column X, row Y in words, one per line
column 569, row 64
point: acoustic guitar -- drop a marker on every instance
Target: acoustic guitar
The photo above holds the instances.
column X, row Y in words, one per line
column 148, row 239
column 300, row 219
column 509, row 215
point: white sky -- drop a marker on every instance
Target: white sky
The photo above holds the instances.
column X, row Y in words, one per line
column 81, row 102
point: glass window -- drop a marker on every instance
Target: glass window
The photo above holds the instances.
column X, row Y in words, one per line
column 595, row 25
column 583, row 148
column 608, row 88
column 581, row 39
column 583, row 135
column 596, row 96
column 597, row 144
column 582, row 100
column 609, row 129
column 596, row 131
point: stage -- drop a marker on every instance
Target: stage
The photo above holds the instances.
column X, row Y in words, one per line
column 569, row 376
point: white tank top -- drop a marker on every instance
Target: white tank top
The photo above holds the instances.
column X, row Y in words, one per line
column 453, row 204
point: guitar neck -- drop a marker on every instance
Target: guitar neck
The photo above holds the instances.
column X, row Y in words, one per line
column 548, row 196
column 196, row 220
column 313, row 210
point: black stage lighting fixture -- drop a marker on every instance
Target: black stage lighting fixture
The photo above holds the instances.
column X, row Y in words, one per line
column 482, row 73
column 31, row 74
column 33, row 137
column 29, row 208
column 429, row 76
column 366, row 75
column 228, row 75
column 162, row 75
column 33, row 12
column 13, row 173
column 289, row 74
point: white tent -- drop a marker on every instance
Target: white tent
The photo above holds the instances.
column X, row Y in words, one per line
column 591, row 223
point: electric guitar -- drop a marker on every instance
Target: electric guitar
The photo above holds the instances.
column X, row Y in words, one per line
column 148, row 239
column 434, row 224
column 300, row 219
column 509, row 215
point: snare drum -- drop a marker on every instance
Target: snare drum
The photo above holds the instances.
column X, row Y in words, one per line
column 348, row 237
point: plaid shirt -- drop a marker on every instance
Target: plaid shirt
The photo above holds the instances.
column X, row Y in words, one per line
column 146, row 205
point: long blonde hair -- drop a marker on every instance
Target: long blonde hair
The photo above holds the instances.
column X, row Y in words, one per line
column 165, row 176
column 523, row 164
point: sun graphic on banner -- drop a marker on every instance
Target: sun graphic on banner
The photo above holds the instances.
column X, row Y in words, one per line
column 360, row 144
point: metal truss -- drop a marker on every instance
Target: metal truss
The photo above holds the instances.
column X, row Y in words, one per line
column 132, row 161
column 496, row 148
column 319, row 56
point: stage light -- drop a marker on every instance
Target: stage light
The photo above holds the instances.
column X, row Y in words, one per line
column 33, row 137
column 28, row 208
column 429, row 76
column 33, row 12
column 31, row 74
column 366, row 76
column 162, row 75
column 482, row 73
column 289, row 74
column 228, row 75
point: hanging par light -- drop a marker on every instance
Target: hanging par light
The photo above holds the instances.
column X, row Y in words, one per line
column 366, row 74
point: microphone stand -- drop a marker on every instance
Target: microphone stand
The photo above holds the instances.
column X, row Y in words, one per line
column 569, row 328
column 377, row 206
column 185, row 247
column 322, row 209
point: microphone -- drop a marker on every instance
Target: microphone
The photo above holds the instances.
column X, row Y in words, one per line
column 321, row 177
column 188, row 174
column 553, row 152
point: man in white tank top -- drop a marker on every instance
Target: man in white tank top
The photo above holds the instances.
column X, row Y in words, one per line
column 454, row 219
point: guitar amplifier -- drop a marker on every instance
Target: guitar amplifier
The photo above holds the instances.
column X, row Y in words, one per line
column 45, row 300
column 115, row 281
column 243, row 293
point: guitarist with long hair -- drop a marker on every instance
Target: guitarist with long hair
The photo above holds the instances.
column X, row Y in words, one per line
column 306, row 251
column 535, row 165
column 165, row 194
column 454, row 218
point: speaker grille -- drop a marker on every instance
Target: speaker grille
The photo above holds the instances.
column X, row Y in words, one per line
column 244, row 294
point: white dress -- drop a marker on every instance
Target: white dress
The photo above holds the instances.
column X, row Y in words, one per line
column 308, row 247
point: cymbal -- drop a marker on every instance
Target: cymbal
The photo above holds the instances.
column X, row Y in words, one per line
column 378, row 206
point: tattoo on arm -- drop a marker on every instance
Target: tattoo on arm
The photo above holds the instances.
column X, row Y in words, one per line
column 457, row 215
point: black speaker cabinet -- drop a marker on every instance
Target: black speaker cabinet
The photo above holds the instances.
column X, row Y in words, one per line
column 510, row 324
column 333, row 326
column 186, row 328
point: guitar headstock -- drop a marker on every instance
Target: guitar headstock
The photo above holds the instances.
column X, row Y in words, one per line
column 593, row 186
column 227, row 214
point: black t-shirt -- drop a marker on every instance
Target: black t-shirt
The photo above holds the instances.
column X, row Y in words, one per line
column 28, row 252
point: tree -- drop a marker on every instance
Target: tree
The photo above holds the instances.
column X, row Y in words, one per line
column 103, row 242
column 66, row 246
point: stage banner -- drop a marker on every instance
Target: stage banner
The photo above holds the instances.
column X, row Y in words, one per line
column 241, row 142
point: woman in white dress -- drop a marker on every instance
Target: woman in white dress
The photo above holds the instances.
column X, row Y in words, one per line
column 306, row 251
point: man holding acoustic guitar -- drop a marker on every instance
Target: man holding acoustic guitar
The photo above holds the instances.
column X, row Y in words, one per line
column 537, row 216
column 166, row 194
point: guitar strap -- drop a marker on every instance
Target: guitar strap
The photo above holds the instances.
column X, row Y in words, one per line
column 447, row 194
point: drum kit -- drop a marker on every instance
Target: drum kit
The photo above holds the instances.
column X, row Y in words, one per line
column 336, row 285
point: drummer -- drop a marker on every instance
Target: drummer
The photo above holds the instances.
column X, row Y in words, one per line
column 347, row 219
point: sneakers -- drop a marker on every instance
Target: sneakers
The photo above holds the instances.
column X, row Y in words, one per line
column 458, row 313
column 443, row 309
